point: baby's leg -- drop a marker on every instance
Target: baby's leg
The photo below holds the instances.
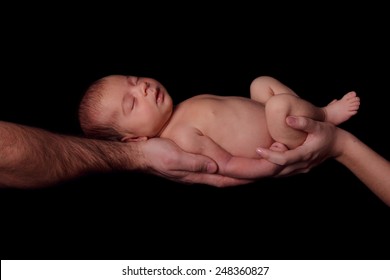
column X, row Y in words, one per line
column 264, row 87
column 280, row 106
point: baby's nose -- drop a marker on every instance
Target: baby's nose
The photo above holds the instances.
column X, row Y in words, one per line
column 150, row 90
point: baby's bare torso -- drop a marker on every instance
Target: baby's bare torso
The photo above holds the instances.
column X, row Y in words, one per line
column 237, row 124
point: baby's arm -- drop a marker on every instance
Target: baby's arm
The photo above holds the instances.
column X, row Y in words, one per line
column 264, row 87
column 193, row 141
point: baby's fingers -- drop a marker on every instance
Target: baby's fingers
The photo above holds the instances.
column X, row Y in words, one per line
column 278, row 147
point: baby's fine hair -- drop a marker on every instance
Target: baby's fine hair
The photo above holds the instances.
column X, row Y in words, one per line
column 89, row 109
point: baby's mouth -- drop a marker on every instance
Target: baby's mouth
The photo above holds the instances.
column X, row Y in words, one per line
column 159, row 96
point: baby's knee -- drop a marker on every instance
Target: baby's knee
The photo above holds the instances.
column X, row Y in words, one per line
column 280, row 104
column 262, row 81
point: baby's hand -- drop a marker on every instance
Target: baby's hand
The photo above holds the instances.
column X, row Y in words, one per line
column 278, row 147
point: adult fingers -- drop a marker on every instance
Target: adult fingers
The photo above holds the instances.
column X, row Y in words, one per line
column 214, row 180
column 197, row 163
column 294, row 169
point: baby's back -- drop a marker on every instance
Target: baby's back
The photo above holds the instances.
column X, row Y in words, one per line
column 237, row 124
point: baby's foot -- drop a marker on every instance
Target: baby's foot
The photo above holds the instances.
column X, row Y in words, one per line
column 339, row 111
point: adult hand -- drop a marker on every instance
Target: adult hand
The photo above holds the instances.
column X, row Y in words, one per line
column 318, row 146
column 164, row 158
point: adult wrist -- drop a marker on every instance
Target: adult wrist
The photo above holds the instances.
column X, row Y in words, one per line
column 342, row 143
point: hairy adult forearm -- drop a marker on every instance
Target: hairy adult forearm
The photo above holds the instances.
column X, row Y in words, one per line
column 33, row 157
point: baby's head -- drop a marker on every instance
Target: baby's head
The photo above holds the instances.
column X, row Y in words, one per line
column 125, row 108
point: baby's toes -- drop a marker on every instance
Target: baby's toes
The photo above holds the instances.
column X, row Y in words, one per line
column 349, row 95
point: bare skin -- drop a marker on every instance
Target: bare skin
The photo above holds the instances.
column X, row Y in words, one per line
column 227, row 129
column 338, row 111
column 29, row 160
column 327, row 141
column 280, row 101
column 34, row 158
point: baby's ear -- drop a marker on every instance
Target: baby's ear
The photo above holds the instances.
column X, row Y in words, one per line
column 134, row 138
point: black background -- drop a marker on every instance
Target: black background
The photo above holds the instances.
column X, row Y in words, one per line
column 50, row 59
